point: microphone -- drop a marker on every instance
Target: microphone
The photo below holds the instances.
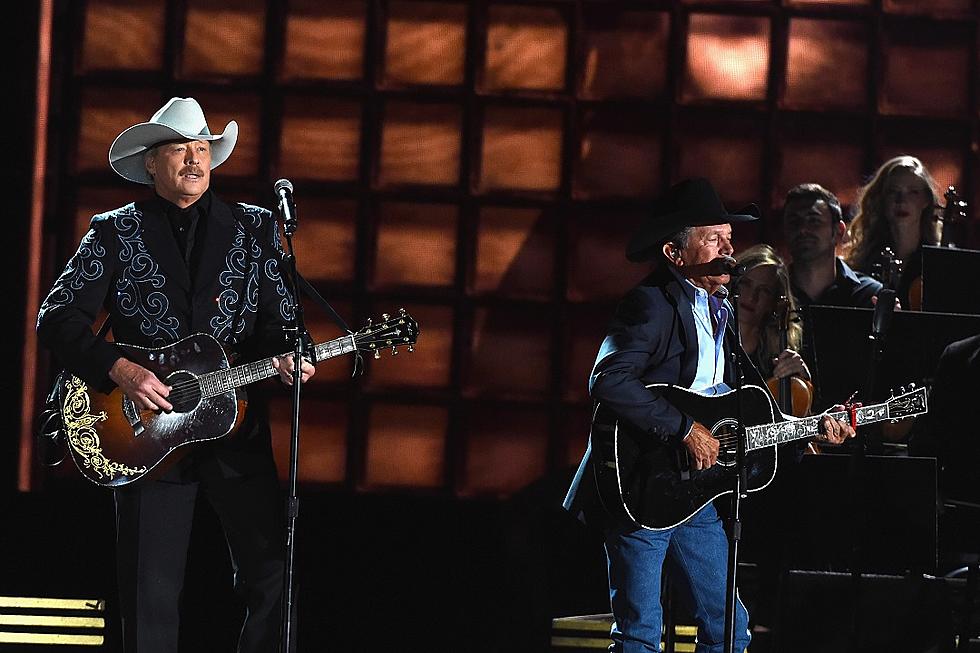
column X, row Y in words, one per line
column 284, row 191
column 728, row 265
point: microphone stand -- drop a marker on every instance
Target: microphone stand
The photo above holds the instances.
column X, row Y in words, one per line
column 300, row 339
column 741, row 485
column 883, row 311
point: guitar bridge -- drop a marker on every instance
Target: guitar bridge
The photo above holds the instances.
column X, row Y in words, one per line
column 132, row 415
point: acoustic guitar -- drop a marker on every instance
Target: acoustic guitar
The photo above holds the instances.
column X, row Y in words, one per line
column 654, row 485
column 113, row 442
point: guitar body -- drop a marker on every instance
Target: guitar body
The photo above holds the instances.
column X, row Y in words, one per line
column 653, row 485
column 113, row 443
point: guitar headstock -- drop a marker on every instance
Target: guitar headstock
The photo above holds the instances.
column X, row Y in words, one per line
column 394, row 331
column 909, row 402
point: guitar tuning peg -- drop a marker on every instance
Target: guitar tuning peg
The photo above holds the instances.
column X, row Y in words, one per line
column 891, row 392
column 402, row 312
column 370, row 321
column 394, row 352
column 385, row 317
column 901, row 390
column 411, row 348
column 911, row 387
column 377, row 354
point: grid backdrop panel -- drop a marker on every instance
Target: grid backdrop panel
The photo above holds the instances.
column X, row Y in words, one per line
column 482, row 164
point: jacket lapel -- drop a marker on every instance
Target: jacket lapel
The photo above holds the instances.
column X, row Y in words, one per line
column 161, row 244
column 688, row 334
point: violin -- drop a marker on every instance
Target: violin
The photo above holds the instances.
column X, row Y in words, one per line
column 953, row 219
column 793, row 394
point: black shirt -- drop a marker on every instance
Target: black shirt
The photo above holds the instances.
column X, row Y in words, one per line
column 849, row 288
column 188, row 226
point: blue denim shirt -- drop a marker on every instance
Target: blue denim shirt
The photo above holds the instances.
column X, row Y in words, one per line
column 710, row 376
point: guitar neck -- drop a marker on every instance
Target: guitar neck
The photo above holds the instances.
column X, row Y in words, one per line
column 221, row 381
column 767, row 435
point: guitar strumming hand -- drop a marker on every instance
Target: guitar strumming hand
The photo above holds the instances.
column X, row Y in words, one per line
column 701, row 446
column 141, row 385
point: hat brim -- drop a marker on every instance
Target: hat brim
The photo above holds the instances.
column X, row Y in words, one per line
column 126, row 152
column 644, row 245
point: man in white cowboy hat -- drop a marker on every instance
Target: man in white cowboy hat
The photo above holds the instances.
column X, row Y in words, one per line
column 672, row 328
column 178, row 263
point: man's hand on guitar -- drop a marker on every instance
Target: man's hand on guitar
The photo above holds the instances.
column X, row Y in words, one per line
column 833, row 430
column 284, row 365
column 702, row 446
column 141, row 385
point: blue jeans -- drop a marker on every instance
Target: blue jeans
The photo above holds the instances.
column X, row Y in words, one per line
column 697, row 551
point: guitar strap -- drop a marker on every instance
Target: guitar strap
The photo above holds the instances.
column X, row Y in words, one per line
column 304, row 285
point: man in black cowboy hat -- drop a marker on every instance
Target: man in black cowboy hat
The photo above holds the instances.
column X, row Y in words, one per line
column 671, row 329
column 179, row 263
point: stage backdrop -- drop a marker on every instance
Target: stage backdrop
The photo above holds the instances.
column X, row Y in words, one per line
column 482, row 163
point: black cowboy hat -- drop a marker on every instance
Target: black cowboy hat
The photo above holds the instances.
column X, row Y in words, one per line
column 690, row 203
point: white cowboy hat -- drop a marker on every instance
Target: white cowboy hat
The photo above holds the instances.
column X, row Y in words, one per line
column 178, row 118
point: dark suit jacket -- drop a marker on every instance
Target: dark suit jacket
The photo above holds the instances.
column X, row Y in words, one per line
column 651, row 339
column 129, row 263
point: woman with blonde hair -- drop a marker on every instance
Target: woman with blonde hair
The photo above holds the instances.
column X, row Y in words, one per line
column 763, row 292
column 896, row 209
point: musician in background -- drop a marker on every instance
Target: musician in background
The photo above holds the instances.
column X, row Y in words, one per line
column 672, row 328
column 764, row 295
column 177, row 263
column 896, row 209
column 813, row 226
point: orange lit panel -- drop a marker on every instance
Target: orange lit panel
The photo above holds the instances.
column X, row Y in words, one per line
column 510, row 352
column 586, row 329
column 406, row 446
column 320, row 139
column 515, row 252
column 830, row 155
column 926, row 72
column 729, row 154
column 92, row 201
column 105, row 113
column 505, row 450
column 326, row 241
column 420, row 144
column 429, row 365
column 416, row 245
column 123, row 35
column 525, row 48
column 727, row 58
column 620, row 155
column 937, row 8
column 425, row 43
column 825, row 3
column 245, row 110
column 322, row 328
column 597, row 265
column 625, row 54
column 325, row 40
column 223, row 37
column 827, row 64
column 323, row 438
column 521, row 149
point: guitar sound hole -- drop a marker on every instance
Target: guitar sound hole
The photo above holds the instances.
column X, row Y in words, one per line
column 725, row 432
column 186, row 393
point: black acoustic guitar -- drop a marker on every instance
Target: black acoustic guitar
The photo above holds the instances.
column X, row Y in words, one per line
column 656, row 486
column 113, row 442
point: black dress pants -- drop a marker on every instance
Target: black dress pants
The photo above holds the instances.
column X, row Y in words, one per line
column 153, row 527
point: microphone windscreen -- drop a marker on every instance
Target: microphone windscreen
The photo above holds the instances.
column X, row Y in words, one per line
column 283, row 183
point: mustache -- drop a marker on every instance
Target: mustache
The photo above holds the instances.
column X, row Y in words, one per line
column 192, row 170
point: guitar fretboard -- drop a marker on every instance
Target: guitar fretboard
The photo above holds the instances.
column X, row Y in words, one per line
column 221, row 381
column 767, row 435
